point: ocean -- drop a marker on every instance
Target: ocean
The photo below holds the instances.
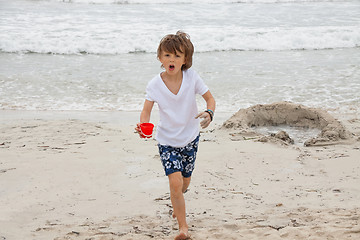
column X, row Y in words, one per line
column 98, row 55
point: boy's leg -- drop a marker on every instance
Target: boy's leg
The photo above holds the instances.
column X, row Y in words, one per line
column 177, row 199
column 186, row 183
column 188, row 162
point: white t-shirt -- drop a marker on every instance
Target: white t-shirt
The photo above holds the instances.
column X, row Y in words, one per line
column 177, row 126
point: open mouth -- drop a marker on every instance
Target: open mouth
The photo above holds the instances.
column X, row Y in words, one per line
column 171, row 67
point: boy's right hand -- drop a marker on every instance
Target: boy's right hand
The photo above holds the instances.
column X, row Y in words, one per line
column 137, row 129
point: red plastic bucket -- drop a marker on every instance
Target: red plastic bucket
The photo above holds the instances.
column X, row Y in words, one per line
column 146, row 130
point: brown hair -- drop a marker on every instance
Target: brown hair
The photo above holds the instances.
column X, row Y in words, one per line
column 179, row 42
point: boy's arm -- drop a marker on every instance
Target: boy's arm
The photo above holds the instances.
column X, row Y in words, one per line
column 210, row 104
column 145, row 114
column 210, row 101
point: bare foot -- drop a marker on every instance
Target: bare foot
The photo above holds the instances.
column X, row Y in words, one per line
column 182, row 236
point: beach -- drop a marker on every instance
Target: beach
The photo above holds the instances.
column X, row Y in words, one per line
column 284, row 74
column 68, row 178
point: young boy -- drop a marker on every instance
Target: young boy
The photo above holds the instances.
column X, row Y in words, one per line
column 174, row 90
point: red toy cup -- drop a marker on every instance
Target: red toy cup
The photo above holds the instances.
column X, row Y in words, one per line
column 146, row 130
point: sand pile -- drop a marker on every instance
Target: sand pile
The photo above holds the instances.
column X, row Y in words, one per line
column 295, row 115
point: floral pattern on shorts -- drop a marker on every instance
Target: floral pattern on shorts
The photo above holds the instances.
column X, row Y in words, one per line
column 179, row 159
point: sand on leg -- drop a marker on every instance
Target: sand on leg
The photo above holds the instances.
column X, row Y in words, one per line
column 186, row 183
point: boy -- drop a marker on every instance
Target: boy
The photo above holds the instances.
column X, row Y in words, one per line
column 174, row 90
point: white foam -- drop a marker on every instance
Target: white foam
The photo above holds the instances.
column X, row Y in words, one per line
column 296, row 38
column 189, row 1
column 229, row 39
column 325, row 78
column 104, row 29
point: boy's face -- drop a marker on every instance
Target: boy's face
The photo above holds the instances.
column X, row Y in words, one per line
column 172, row 62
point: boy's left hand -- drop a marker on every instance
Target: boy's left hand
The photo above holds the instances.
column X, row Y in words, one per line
column 207, row 119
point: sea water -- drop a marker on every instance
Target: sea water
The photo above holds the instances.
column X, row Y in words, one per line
column 298, row 134
column 98, row 55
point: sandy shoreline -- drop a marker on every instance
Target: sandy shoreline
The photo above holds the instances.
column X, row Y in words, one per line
column 67, row 178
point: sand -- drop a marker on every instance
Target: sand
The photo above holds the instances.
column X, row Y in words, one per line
column 287, row 113
column 64, row 178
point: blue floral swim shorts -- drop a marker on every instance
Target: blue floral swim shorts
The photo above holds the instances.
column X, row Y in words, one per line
column 179, row 159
